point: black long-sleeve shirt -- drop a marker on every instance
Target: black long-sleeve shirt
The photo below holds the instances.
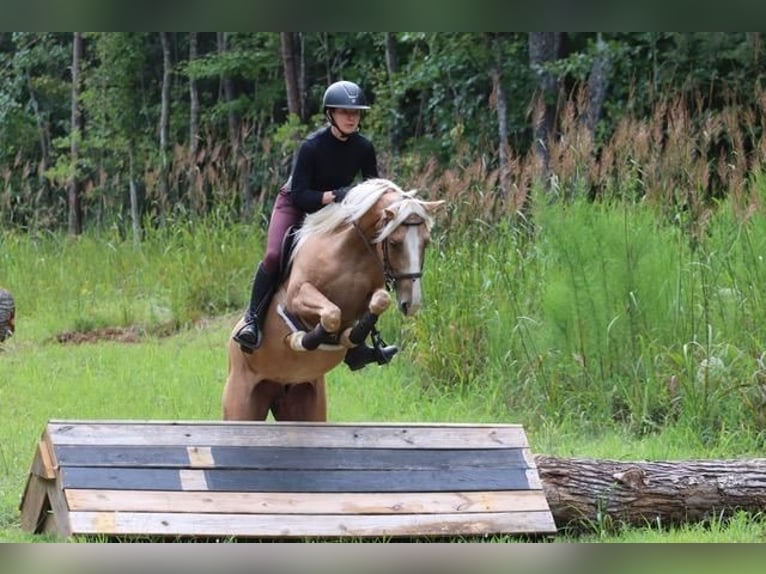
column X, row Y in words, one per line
column 325, row 163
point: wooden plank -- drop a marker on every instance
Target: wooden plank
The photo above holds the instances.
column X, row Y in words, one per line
column 34, row 503
column 117, row 456
column 40, row 493
column 193, row 479
column 44, row 465
column 302, row 480
column 274, row 457
column 200, row 456
column 348, row 435
column 58, row 518
column 305, row 503
column 292, row 526
column 120, row 478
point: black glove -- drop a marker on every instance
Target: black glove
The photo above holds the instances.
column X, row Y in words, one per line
column 339, row 194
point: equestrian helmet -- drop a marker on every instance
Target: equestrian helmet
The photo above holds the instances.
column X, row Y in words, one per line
column 346, row 95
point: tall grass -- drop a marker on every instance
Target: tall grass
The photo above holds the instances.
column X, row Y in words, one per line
column 176, row 276
column 608, row 317
column 606, row 334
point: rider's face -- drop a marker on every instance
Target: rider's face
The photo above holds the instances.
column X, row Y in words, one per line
column 347, row 120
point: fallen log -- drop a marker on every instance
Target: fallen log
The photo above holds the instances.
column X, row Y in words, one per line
column 7, row 314
column 590, row 493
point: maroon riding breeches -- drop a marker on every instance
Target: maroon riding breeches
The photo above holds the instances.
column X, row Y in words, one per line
column 283, row 217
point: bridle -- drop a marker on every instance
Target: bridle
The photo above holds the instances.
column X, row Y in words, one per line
column 389, row 275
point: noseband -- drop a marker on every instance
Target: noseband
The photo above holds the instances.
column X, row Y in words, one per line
column 390, row 276
column 388, row 272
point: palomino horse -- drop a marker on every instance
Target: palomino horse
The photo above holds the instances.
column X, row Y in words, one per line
column 345, row 254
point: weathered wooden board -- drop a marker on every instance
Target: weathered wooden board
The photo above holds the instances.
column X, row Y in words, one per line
column 283, row 480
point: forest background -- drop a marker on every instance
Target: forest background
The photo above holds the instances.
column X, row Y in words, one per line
column 137, row 129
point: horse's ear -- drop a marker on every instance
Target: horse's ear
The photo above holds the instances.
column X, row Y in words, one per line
column 433, row 206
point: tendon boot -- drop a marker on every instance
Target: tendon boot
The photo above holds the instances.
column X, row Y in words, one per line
column 360, row 356
column 250, row 335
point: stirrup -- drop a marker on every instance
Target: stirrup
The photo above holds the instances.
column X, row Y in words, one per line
column 249, row 336
column 384, row 353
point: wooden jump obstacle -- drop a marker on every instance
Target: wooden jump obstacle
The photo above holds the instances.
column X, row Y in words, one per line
column 283, row 480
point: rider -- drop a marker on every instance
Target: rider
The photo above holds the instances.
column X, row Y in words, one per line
column 325, row 166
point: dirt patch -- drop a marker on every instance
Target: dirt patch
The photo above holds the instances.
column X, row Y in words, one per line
column 118, row 334
column 138, row 333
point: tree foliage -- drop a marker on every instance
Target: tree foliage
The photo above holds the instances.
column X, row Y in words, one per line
column 435, row 110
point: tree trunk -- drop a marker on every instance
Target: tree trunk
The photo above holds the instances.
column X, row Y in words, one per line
column 195, row 196
column 598, row 82
column 193, row 99
column 392, row 67
column 135, row 212
column 290, row 68
column 74, row 191
column 235, row 137
column 165, row 200
column 303, row 77
column 501, row 111
column 7, row 314
column 544, row 48
column 587, row 493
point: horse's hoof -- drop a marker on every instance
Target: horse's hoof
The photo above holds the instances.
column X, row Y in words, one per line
column 362, row 355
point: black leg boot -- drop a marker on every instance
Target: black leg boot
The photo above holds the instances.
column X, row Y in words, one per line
column 360, row 356
column 249, row 335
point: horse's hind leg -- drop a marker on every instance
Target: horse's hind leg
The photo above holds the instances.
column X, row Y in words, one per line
column 302, row 402
column 245, row 397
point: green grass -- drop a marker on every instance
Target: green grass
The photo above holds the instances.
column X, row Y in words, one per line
column 594, row 336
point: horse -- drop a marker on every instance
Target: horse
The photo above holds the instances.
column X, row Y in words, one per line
column 346, row 257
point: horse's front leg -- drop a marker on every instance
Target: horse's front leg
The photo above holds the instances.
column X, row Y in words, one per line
column 357, row 333
column 310, row 301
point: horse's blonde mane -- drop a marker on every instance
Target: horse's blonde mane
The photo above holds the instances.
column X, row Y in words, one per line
column 358, row 201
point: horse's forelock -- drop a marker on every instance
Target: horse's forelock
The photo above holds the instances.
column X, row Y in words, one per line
column 404, row 208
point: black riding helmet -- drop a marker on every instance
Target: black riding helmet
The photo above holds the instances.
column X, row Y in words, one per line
column 344, row 94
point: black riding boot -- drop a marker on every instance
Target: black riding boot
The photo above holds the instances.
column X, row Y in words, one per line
column 362, row 355
column 249, row 335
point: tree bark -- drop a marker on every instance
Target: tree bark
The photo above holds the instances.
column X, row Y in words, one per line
column 74, row 192
column 235, row 136
column 135, row 212
column 290, row 69
column 167, row 66
column 7, row 314
column 588, row 493
column 196, row 197
column 544, row 48
column 598, row 82
column 392, row 67
column 501, row 109
column 193, row 100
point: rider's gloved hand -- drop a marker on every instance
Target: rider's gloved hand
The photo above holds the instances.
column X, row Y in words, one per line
column 339, row 194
